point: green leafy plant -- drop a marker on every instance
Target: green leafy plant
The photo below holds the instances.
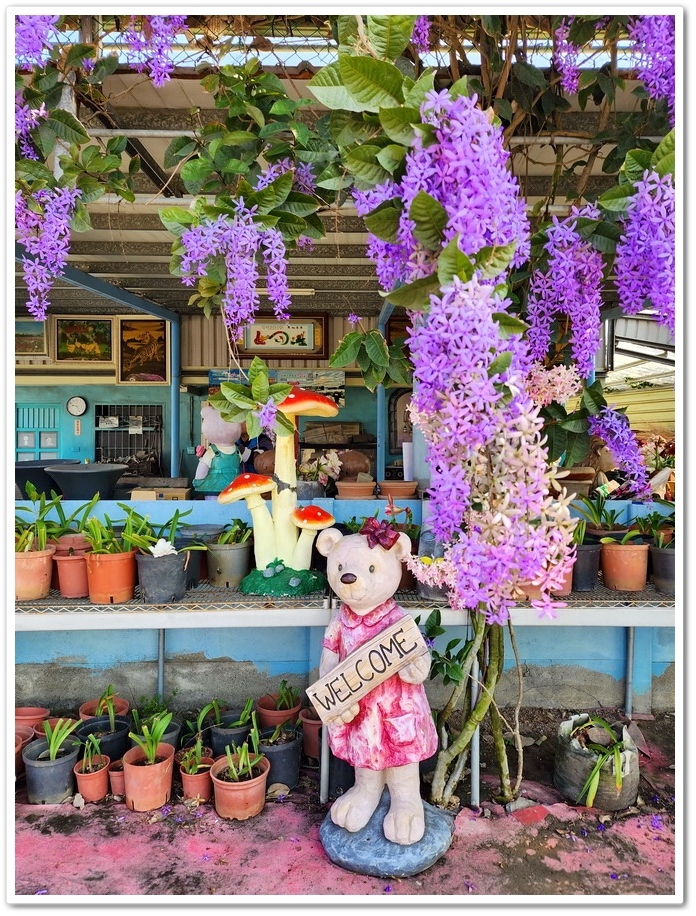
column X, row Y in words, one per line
column 236, row 532
column 288, row 696
column 603, row 753
column 76, row 521
column 664, row 539
column 190, row 761
column 379, row 362
column 155, row 539
column 153, row 731
column 596, row 512
column 246, row 714
column 626, row 538
column 579, row 532
column 92, row 750
column 284, row 731
column 105, row 704
column 243, row 767
column 56, row 735
column 33, row 527
column 154, row 705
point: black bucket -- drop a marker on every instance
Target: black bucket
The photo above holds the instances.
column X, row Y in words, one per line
column 162, row 580
column 586, row 568
column 284, row 758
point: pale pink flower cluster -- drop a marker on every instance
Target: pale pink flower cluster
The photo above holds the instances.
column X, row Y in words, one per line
column 559, row 384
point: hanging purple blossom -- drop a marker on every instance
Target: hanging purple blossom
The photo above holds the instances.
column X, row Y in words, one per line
column 614, row 428
column 654, row 48
column 33, row 37
column 152, row 46
column 420, row 38
column 645, row 252
column 565, row 57
column 571, row 285
column 302, row 180
column 266, row 414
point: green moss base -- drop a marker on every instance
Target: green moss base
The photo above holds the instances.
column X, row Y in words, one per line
column 278, row 585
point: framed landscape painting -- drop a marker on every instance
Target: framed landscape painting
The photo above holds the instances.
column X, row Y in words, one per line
column 30, row 337
column 83, row 339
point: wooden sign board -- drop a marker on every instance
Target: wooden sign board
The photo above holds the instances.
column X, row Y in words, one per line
column 366, row 668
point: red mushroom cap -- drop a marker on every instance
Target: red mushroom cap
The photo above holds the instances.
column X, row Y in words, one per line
column 306, row 403
column 246, row 485
column 313, row 517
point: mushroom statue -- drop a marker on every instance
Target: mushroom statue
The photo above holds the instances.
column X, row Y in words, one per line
column 310, row 520
column 251, row 488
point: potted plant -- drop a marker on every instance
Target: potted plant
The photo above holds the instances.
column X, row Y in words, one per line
column 107, row 704
column 33, row 550
column 283, row 747
column 149, row 766
column 192, row 733
column 229, row 556
column 141, row 725
column 49, row 762
column 586, row 567
column 276, row 708
column 317, row 475
column 239, row 780
column 111, row 565
column 601, row 520
column 194, row 770
column 596, row 763
column 663, row 556
column 92, row 772
column 106, row 719
column 161, row 566
column 231, row 726
column 311, row 733
column 624, row 562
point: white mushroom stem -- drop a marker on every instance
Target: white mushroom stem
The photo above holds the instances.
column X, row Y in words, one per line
column 285, row 500
column 302, row 557
column 264, row 534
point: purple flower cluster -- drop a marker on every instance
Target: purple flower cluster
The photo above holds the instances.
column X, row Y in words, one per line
column 614, row 428
column 654, row 48
column 33, row 36
column 645, row 251
column 266, row 414
column 489, row 480
column 237, row 239
column 26, row 119
column 420, row 38
column 303, row 176
column 45, row 233
column 565, row 57
column 152, row 47
column 572, row 285
column 390, row 258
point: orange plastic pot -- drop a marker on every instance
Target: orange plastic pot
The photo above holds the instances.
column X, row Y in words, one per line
column 72, row 575
column 625, row 566
column 117, row 778
column 311, row 729
column 31, row 715
column 89, row 709
column 269, row 716
column 198, row 785
column 33, row 569
column 148, row 785
column 238, row 801
column 111, row 577
column 26, row 734
column 93, row 786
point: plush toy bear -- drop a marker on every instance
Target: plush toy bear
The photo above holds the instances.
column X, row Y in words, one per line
column 220, row 463
column 391, row 729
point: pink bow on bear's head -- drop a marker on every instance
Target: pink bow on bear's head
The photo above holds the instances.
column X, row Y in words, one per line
column 379, row 533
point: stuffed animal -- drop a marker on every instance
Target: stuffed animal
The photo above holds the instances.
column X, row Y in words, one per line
column 390, row 730
column 220, row 463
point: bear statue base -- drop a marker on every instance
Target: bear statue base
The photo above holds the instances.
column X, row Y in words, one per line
column 369, row 852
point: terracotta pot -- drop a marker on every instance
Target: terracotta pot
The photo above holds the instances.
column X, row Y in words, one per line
column 117, row 778
column 269, row 716
column 111, row 577
column 148, row 786
column 77, row 543
column 238, row 801
column 31, row 715
column 33, row 569
column 26, row 734
column 567, row 584
column 625, row 566
column 93, row 786
column 311, row 732
column 88, row 710
column 350, row 489
column 72, row 575
column 398, row 489
column 39, row 727
column 198, row 785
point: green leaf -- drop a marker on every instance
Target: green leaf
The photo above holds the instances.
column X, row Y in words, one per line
column 376, row 348
column 347, row 350
column 493, row 260
column 529, row 75
column 77, row 53
column 255, row 114
column 616, row 198
column 390, row 157
column 503, row 109
column 384, row 222
column 606, row 84
column 373, row 376
column 362, row 161
column 327, row 85
column 259, row 388
column 500, row 364
column 414, row 96
column 574, row 425
column 460, row 87
column 299, row 204
column 452, row 262
column 666, row 165
column 508, row 324
column 389, row 35
column 91, row 188
column 593, row 398
column 66, row 127
column 374, row 84
column 176, row 219
column 416, row 295
column 399, row 371
column 666, row 147
column 194, row 174
column 397, row 123
column 635, row 163
column 430, row 218
column 29, row 170
column 283, row 107
column 80, row 221
column 576, row 448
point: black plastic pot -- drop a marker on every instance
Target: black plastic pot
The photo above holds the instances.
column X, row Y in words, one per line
column 663, row 572
column 221, row 736
column 284, row 758
column 162, row 579
column 112, row 743
column 171, row 736
column 341, row 775
column 50, row 782
column 586, row 568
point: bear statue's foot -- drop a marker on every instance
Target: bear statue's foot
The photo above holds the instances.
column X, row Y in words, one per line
column 354, row 808
column 405, row 820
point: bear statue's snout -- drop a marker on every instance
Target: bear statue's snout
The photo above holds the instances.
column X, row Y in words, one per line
column 348, row 578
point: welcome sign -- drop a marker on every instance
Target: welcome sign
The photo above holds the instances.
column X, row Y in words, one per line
column 366, row 668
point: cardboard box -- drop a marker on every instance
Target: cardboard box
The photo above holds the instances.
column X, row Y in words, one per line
column 165, row 493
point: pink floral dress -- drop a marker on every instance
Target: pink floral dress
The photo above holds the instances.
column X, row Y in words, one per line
column 395, row 725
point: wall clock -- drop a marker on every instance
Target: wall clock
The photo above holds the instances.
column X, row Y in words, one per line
column 76, row 406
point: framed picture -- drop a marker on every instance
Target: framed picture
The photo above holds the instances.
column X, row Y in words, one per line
column 143, row 352
column 30, row 337
column 301, row 337
column 83, row 339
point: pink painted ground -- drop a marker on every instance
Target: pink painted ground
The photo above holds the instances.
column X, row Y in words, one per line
column 104, row 850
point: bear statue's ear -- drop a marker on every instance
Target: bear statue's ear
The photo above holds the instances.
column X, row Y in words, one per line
column 327, row 540
column 402, row 547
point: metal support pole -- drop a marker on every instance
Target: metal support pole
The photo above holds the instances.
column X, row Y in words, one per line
column 160, row 663
column 324, row 766
column 474, row 755
column 628, row 688
column 175, row 399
